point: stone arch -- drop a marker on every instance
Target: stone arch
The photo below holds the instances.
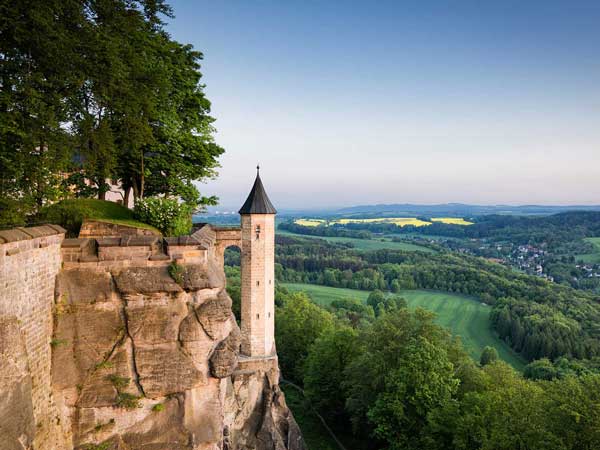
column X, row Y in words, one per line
column 227, row 237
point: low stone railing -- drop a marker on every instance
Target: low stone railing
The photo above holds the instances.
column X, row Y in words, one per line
column 129, row 251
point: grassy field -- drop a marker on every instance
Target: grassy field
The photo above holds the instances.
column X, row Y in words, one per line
column 464, row 316
column 310, row 222
column 366, row 244
column 594, row 257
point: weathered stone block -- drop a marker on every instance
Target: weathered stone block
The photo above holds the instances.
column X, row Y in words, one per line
column 214, row 316
column 84, row 286
column 155, row 319
column 224, row 360
column 146, row 280
column 165, row 369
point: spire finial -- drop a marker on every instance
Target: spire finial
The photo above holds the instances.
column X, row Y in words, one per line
column 257, row 168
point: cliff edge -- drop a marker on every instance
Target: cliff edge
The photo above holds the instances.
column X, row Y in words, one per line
column 141, row 349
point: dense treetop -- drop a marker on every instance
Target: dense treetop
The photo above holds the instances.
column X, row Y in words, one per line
column 95, row 91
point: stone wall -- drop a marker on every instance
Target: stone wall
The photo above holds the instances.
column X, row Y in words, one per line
column 98, row 228
column 29, row 262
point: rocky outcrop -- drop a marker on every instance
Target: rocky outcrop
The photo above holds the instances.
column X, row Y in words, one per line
column 140, row 361
column 16, row 408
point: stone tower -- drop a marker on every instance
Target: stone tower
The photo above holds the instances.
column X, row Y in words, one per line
column 258, row 272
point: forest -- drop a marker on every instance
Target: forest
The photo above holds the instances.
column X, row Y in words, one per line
column 553, row 230
column 537, row 318
column 386, row 377
column 563, row 242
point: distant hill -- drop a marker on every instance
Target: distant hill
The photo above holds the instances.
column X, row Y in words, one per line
column 462, row 210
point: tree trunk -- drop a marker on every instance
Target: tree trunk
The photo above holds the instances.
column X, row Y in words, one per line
column 136, row 190
column 126, row 196
column 142, row 177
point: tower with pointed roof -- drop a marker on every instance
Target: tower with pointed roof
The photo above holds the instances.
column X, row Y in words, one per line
column 258, row 272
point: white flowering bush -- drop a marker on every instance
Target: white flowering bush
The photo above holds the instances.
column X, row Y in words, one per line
column 167, row 214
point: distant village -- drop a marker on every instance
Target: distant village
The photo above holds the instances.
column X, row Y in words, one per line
column 528, row 259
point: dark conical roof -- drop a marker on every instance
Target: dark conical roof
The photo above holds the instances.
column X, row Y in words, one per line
column 257, row 202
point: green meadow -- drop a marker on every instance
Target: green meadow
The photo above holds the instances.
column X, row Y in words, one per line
column 594, row 257
column 465, row 316
column 365, row 244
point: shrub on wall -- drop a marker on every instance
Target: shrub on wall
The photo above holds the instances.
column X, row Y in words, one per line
column 167, row 214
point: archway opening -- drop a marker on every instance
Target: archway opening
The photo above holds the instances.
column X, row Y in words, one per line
column 232, row 266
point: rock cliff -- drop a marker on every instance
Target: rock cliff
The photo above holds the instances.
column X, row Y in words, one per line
column 142, row 362
column 101, row 348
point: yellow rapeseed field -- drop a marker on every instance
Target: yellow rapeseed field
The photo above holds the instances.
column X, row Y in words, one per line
column 309, row 222
column 399, row 221
column 451, row 220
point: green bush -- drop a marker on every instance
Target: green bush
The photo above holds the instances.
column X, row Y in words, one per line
column 68, row 215
column 12, row 213
column 158, row 407
column 176, row 272
column 167, row 214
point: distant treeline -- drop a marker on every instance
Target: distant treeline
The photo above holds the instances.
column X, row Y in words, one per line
column 337, row 230
column 554, row 230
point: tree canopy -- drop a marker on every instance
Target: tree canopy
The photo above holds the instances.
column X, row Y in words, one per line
column 97, row 91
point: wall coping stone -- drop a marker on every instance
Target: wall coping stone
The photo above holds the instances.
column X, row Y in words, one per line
column 109, row 242
column 219, row 228
column 159, row 257
column 57, row 228
column 24, row 234
column 14, row 235
column 40, row 231
column 75, row 242
column 184, row 240
column 137, row 241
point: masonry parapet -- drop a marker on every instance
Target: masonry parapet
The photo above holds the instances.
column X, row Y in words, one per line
column 17, row 240
column 106, row 253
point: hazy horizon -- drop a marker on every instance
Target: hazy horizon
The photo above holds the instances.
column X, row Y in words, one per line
column 348, row 103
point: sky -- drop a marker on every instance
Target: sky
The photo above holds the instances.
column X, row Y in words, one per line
column 348, row 103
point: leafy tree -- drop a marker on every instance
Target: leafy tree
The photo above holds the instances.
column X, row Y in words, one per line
column 352, row 310
column 509, row 413
column 405, row 370
column 324, row 369
column 488, row 355
column 375, row 298
column 423, row 382
column 99, row 89
column 298, row 323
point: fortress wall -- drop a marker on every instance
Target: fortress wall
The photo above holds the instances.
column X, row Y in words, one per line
column 30, row 259
column 98, row 228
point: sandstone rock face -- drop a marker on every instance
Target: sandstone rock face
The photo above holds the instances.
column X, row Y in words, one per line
column 141, row 362
column 16, row 409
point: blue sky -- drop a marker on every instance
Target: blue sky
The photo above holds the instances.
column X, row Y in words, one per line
column 346, row 103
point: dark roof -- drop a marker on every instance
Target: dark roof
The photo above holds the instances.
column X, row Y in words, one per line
column 257, row 202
